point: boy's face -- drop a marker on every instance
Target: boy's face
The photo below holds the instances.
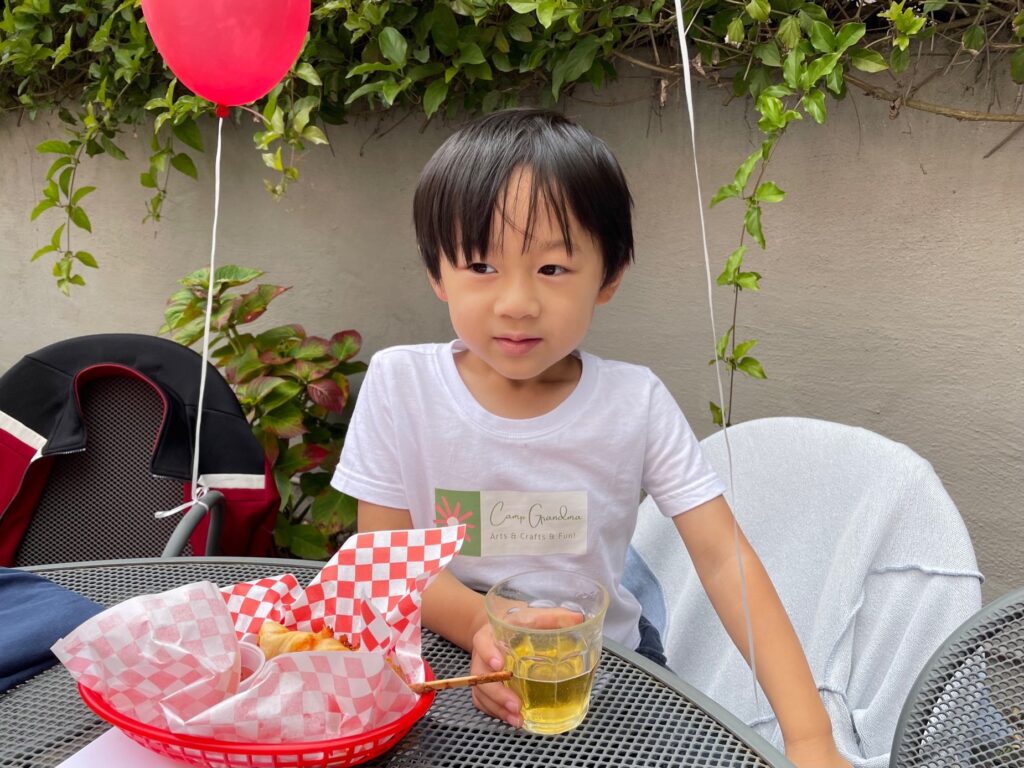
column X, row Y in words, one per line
column 525, row 309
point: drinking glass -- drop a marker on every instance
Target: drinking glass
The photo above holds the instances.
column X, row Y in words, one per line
column 548, row 624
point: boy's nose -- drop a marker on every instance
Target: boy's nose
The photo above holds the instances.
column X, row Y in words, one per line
column 517, row 300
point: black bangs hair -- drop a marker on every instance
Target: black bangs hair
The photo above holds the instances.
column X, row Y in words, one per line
column 573, row 171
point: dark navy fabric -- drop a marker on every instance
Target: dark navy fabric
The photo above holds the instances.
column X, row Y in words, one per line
column 650, row 643
column 34, row 614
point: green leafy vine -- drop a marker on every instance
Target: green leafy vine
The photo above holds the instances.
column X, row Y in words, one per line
column 443, row 58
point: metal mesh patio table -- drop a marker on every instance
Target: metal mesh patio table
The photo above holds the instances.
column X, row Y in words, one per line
column 640, row 715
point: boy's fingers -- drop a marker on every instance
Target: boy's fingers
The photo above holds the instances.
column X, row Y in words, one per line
column 547, row 618
column 498, row 701
column 493, row 698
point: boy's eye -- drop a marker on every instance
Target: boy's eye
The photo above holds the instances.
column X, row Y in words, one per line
column 480, row 268
column 552, row 269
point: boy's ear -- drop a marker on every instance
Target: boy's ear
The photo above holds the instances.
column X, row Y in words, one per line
column 608, row 290
column 439, row 290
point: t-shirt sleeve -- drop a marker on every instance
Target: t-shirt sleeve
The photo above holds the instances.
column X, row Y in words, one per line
column 369, row 468
column 676, row 474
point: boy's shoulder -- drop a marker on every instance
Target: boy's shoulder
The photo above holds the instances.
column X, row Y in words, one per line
column 622, row 372
column 406, row 354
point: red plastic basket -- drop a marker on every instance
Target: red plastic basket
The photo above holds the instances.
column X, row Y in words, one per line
column 332, row 753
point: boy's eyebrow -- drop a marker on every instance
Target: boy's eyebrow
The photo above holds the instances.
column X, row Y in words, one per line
column 552, row 244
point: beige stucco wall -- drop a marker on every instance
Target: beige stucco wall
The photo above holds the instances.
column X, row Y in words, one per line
column 892, row 284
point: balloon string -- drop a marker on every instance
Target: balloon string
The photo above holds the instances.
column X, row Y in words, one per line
column 688, row 88
column 197, row 492
column 209, row 310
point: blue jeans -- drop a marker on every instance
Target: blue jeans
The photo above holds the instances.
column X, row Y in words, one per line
column 650, row 643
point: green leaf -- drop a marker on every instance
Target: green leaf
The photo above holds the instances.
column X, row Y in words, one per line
column 393, row 46
column 112, row 149
column 577, row 63
column 933, row 5
column 49, row 248
column 732, row 266
column 78, row 217
column 434, row 96
column 374, row 87
column 746, row 168
column 749, row 281
column 1017, row 66
column 751, row 367
column 42, row 205
column 792, row 68
column 314, row 134
column 899, row 60
column 822, row 37
column 344, row 345
column 768, row 54
column 300, row 457
column 716, row 413
column 282, row 393
column 848, row 35
column 723, row 344
column 445, row 29
column 743, row 347
column 814, row 105
column 65, row 48
column 835, row 82
column 305, row 71
column 86, row 258
column 55, row 239
column 183, row 164
column 724, row 193
column 735, row 34
column 307, row 542
column 314, row 483
column 867, row 60
column 55, row 147
column 789, row 33
column 752, row 223
column 334, row 511
column 187, row 132
column 80, row 193
column 759, row 10
column 285, row 421
column 818, row 69
column 769, row 192
column 469, row 53
column 64, row 181
column 973, row 39
column 57, row 164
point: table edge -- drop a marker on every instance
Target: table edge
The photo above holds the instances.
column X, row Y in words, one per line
column 713, row 709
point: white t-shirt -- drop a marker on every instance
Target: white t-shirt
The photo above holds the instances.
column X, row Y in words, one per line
column 556, row 491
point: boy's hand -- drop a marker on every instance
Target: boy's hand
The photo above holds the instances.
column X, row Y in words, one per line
column 493, row 698
column 496, row 699
column 815, row 753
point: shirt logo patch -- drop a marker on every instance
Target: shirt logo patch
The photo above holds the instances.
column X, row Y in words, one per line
column 515, row 522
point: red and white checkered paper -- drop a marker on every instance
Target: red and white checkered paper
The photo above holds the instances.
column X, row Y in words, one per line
column 171, row 660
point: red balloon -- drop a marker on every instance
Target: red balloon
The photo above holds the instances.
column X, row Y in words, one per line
column 228, row 51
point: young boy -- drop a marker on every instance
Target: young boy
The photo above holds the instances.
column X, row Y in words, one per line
column 523, row 220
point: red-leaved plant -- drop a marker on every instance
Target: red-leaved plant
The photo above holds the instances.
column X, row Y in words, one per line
column 293, row 389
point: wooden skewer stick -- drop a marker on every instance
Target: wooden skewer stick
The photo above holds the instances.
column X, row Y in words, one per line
column 458, row 682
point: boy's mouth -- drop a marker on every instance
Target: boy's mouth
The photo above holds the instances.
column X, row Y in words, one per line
column 516, row 345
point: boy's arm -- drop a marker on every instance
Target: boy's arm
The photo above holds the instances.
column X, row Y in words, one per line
column 782, row 669
column 456, row 612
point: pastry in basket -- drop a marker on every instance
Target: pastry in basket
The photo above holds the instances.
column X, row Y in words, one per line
column 275, row 639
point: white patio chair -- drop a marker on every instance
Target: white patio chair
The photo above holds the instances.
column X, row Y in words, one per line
column 867, row 551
